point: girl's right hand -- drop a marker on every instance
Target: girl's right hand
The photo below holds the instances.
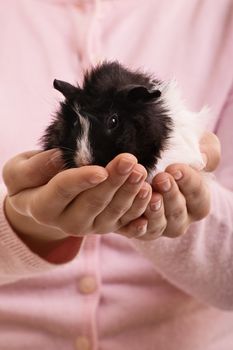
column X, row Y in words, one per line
column 45, row 205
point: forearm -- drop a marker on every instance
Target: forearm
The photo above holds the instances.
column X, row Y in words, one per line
column 17, row 256
column 45, row 241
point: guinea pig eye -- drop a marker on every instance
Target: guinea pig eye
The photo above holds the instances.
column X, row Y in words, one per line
column 112, row 122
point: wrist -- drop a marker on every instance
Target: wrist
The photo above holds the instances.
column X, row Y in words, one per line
column 27, row 227
column 48, row 242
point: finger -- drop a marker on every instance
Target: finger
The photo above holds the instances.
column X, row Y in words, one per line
column 155, row 216
column 31, row 169
column 211, row 148
column 110, row 217
column 151, row 225
column 193, row 187
column 93, row 201
column 174, row 205
column 139, row 205
column 134, row 229
column 46, row 203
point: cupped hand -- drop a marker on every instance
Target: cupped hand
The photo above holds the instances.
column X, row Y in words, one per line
column 180, row 196
column 48, row 204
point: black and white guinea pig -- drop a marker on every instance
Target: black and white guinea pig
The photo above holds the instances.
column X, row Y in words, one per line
column 119, row 110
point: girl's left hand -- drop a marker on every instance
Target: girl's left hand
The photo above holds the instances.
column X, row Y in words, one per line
column 180, row 196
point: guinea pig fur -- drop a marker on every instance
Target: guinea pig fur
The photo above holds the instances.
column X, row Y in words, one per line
column 119, row 110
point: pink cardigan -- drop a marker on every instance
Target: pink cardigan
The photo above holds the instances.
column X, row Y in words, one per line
column 117, row 294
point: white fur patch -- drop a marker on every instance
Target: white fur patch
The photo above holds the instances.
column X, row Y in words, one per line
column 188, row 127
column 84, row 153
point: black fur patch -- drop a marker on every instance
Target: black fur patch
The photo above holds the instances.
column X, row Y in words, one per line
column 142, row 125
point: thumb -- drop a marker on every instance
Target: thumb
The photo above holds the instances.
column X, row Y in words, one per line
column 31, row 169
column 211, row 150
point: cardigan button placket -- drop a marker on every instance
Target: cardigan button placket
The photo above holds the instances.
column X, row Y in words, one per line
column 82, row 343
column 87, row 285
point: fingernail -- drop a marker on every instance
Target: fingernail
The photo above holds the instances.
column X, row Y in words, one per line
column 177, row 175
column 125, row 165
column 143, row 193
column 135, row 177
column 97, row 178
column 204, row 158
column 165, row 186
column 156, row 205
column 141, row 230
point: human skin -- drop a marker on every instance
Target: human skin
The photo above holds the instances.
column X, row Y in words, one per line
column 45, row 205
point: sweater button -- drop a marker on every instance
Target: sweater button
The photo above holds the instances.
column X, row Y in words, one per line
column 82, row 343
column 87, row 285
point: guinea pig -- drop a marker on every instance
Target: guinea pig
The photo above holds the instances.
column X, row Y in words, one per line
column 120, row 110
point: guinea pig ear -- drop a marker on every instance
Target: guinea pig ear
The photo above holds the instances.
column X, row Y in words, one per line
column 65, row 88
column 140, row 93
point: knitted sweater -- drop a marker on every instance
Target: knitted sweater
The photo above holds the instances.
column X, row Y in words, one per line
column 117, row 293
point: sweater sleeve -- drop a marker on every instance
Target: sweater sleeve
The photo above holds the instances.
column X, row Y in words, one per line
column 201, row 262
column 16, row 259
